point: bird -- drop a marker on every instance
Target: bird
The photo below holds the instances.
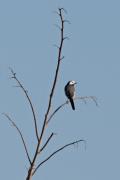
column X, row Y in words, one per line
column 70, row 92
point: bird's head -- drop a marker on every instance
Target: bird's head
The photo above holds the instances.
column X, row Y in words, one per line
column 72, row 82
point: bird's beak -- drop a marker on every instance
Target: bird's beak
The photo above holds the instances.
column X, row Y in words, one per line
column 75, row 82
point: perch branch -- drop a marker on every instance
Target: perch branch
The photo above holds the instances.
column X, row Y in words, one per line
column 58, row 150
column 20, row 133
column 84, row 98
column 29, row 100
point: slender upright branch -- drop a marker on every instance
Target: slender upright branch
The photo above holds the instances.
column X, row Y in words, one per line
column 55, row 152
column 84, row 98
column 29, row 100
column 56, row 73
column 51, row 93
column 20, row 133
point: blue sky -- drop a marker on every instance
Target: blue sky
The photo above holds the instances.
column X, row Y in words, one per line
column 92, row 58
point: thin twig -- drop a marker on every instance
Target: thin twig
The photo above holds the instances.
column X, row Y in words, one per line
column 58, row 150
column 49, row 138
column 29, row 100
column 63, row 9
column 84, row 98
column 20, row 133
column 67, row 21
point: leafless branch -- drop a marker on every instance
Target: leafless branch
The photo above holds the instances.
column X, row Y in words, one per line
column 49, row 138
column 55, row 45
column 29, row 100
column 20, row 133
column 51, row 93
column 57, row 26
column 84, row 98
column 67, row 21
column 60, row 9
column 56, row 73
column 66, row 38
column 55, row 152
column 63, row 9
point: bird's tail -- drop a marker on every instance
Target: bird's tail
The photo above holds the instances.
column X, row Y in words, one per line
column 72, row 103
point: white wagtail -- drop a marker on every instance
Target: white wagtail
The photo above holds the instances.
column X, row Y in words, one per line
column 70, row 92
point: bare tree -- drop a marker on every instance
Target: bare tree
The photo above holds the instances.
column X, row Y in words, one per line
column 39, row 148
